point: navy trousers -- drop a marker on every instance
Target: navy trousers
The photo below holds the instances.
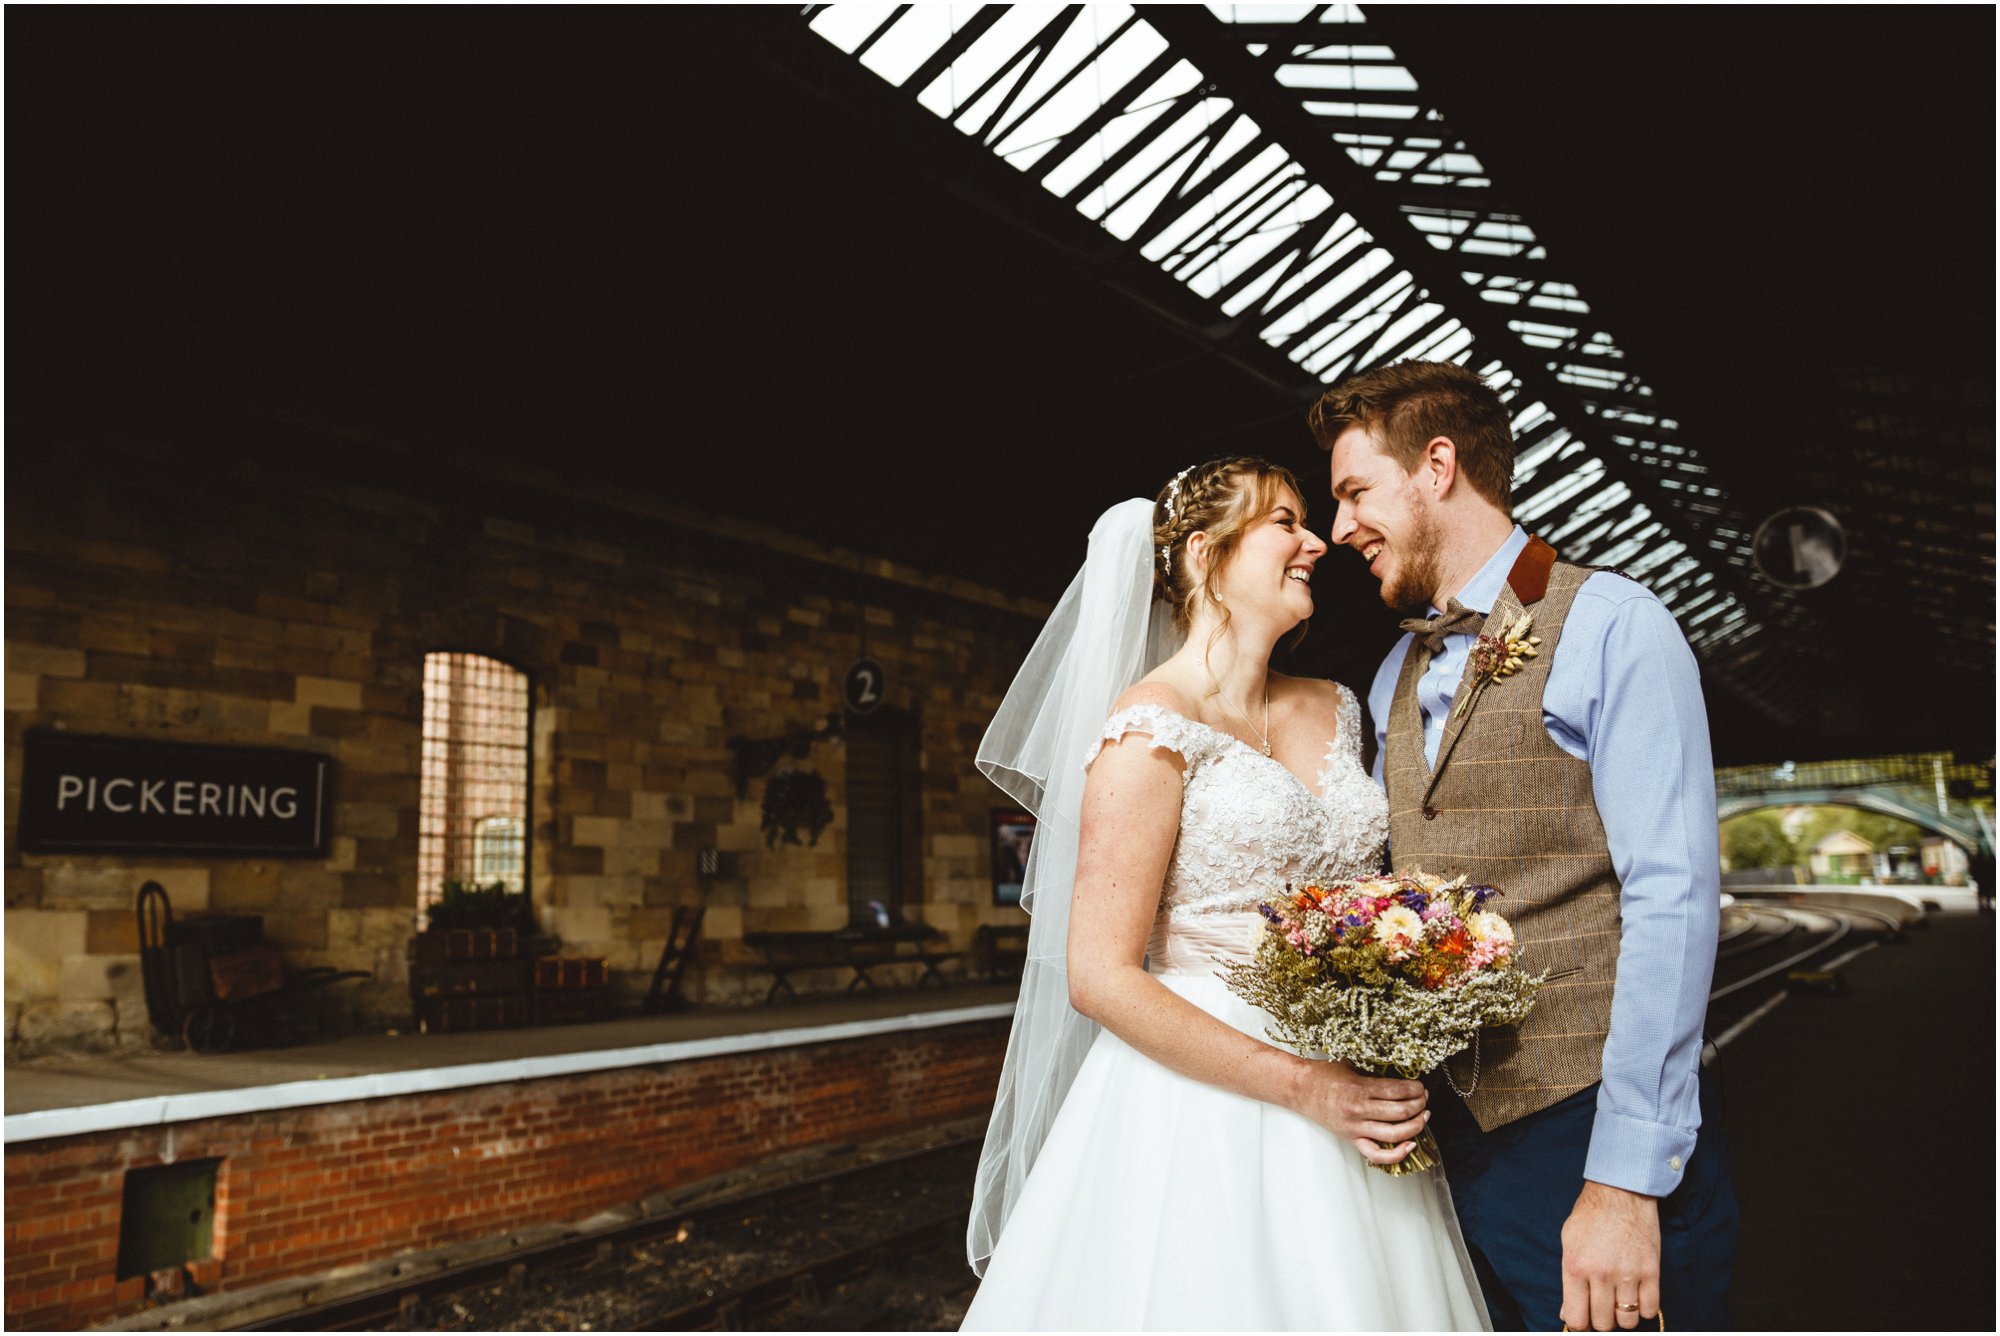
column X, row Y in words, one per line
column 1515, row 1186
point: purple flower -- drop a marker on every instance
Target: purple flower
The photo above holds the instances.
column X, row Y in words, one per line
column 1270, row 913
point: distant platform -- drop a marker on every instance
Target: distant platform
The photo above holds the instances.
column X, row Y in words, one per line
column 1943, row 899
column 93, row 1092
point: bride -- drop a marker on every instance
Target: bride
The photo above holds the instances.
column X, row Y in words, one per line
column 1185, row 1172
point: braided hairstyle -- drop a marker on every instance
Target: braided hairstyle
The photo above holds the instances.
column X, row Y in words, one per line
column 1221, row 498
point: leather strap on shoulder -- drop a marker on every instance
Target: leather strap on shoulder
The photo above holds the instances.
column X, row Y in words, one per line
column 1529, row 579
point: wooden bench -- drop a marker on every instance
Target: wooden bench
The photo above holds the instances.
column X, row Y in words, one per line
column 855, row 948
column 1000, row 950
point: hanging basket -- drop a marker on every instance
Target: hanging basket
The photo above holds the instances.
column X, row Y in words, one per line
column 794, row 801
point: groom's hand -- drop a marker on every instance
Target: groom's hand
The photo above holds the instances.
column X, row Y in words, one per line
column 1380, row 1114
column 1611, row 1256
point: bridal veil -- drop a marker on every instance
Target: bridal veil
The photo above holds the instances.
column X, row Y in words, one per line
column 1106, row 633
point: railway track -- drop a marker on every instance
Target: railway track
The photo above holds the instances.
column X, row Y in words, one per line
column 400, row 1303
column 1772, row 942
column 1801, row 934
column 812, row 1285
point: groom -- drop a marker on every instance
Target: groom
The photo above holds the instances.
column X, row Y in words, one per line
column 1589, row 1174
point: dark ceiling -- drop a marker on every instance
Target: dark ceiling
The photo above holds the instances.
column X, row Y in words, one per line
column 686, row 251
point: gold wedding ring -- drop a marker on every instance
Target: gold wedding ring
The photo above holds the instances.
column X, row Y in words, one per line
column 1661, row 1317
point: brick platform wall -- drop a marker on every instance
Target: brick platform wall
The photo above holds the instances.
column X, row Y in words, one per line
column 303, row 1190
column 270, row 604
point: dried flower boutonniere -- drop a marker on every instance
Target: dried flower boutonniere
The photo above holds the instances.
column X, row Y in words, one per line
column 1495, row 657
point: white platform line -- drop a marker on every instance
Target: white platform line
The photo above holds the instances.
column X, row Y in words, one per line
column 1861, row 950
column 1737, row 1030
column 158, row 1109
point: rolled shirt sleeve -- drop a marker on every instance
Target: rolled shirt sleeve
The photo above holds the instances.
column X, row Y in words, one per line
column 1624, row 694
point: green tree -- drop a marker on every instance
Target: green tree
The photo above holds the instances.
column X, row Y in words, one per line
column 1757, row 839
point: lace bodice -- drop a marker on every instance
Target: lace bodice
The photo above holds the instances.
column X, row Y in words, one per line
column 1248, row 825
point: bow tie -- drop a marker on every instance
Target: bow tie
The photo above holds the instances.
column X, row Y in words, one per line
column 1456, row 619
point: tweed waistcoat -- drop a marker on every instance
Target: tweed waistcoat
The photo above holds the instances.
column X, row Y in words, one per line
column 1508, row 807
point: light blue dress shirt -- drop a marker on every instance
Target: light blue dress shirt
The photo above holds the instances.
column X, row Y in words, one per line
column 1623, row 694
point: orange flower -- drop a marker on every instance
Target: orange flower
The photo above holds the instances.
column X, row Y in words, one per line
column 1457, row 942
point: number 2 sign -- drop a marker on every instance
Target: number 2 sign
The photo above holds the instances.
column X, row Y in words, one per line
column 861, row 689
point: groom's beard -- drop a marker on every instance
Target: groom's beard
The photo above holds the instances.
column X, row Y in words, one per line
column 1419, row 568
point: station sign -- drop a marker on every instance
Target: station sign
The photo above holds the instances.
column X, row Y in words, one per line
column 861, row 689
column 104, row 795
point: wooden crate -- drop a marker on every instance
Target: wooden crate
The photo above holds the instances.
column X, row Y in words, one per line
column 493, row 1012
column 434, row 947
column 462, row 977
column 554, row 973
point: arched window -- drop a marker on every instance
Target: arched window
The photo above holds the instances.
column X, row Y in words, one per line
column 473, row 811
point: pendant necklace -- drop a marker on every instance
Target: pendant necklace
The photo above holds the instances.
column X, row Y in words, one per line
column 1265, row 733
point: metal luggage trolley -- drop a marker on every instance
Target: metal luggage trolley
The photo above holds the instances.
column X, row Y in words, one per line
column 209, row 976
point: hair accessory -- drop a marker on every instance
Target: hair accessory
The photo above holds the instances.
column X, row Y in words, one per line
column 1173, row 497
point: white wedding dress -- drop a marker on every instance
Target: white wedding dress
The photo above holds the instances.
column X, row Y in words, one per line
column 1160, row 1202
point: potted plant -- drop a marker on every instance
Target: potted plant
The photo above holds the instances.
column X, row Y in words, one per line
column 466, row 904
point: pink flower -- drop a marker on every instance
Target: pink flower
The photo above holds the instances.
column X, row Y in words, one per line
column 1485, row 952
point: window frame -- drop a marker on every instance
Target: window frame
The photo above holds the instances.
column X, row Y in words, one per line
column 906, row 728
column 424, row 902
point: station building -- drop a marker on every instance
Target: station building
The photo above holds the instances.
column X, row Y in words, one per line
column 612, row 648
column 493, row 677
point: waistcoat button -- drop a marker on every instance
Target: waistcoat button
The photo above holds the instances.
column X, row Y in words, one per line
column 1430, row 813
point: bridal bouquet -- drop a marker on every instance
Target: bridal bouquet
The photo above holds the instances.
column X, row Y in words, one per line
column 1391, row 974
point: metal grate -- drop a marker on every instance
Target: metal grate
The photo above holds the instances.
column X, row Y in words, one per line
column 473, row 818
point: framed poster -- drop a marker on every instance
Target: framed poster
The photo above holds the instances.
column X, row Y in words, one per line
column 1013, row 834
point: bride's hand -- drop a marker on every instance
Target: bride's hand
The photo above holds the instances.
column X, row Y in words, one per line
column 1380, row 1115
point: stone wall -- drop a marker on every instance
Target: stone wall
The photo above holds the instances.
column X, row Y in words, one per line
column 279, row 603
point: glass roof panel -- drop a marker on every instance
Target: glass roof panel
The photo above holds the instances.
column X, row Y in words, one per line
column 1261, row 13
column 1581, row 474
column 1063, row 91
column 1348, row 77
column 911, row 41
column 1264, row 236
column 847, row 26
column 1238, row 205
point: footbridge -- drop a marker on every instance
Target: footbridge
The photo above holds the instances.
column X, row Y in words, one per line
column 1931, row 790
